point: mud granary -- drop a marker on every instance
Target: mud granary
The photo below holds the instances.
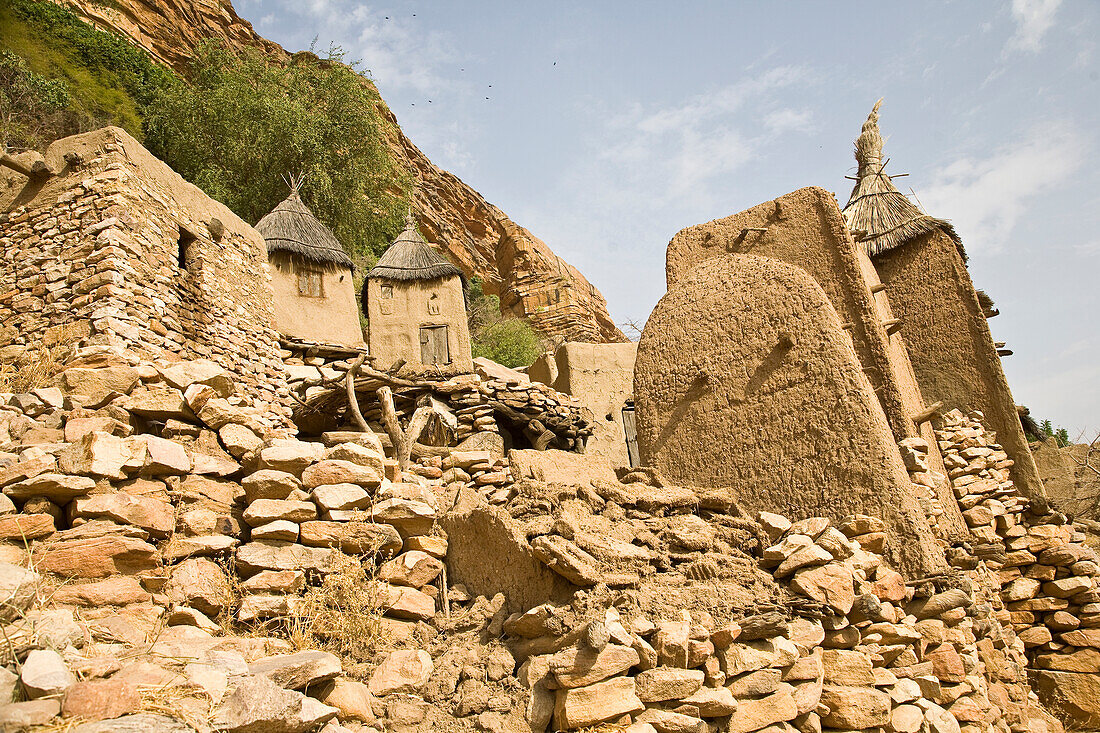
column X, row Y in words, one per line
column 311, row 274
column 416, row 308
column 896, row 295
column 112, row 247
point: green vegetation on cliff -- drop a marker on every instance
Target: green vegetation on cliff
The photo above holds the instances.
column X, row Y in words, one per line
column 236, row 127
column 508, row 341
column 97, row 78
column 243, row 124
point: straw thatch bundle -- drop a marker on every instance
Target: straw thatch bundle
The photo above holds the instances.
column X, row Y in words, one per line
column 411, row 258
column 880, row 216
column 292, row 228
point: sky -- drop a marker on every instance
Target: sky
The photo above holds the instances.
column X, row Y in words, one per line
column 606, row 127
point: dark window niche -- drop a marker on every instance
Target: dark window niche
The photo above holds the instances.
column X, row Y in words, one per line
column 183, row 250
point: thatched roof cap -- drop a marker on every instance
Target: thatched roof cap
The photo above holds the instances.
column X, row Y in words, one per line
column 411, row 258
column 292, row 227
column 880, row 216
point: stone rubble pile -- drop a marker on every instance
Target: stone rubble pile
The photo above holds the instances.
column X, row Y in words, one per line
column 160, row 539
column 927, row 482
column 1047, row 577
column 154, row 506
column 875, row 655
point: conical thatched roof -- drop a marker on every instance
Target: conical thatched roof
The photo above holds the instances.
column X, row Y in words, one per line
column 292, row 227
column 411, row 258
column 880, row 216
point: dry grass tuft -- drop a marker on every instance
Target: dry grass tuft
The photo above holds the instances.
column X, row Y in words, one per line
column 40, row 366
column 60, row 725
column 343, row 614
column 191, row 705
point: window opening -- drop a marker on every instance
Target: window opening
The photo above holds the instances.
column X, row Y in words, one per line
column 311, row 284
column 183, row 248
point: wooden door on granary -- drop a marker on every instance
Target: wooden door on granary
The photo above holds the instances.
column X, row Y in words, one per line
column 433, row 345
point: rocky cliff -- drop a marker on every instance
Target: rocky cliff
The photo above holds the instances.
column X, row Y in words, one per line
column 516, row 265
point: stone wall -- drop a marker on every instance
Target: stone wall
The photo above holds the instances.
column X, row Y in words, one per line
column 131, row 255
column 1036, row 561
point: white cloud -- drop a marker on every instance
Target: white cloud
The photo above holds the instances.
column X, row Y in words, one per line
column 1090, row 249
column 985, row 197
column 1033, row 19
column 677, row 148
column 398, row 52
column 793, row 120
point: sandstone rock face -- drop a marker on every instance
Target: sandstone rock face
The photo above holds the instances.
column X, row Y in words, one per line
column 479, row 238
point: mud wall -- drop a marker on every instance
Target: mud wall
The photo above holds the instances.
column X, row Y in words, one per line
column 745, row 379
column 950, row 346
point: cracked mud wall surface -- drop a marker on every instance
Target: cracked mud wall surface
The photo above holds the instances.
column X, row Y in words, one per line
column 745, row 379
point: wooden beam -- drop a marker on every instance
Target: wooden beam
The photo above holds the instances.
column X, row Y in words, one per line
column 928, row 413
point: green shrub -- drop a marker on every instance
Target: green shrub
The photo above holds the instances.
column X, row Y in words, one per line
column 107, row 79
column 1061, row 435
column 33, row 108
column 243, row 124
column 508, row 341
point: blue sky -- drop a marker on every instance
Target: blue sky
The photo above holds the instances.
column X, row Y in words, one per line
column 610, row 126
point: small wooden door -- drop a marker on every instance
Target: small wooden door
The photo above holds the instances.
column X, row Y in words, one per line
column 631, row 435
column 433, row 345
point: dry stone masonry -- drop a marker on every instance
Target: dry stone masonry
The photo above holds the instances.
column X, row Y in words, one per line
column 163, row 539
column 118, row 250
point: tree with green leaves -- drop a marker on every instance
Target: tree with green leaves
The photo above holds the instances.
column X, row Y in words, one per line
column 242, row 123
column 508, row 341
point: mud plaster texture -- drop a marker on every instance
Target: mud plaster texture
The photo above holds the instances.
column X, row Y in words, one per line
column 950, row 344
column 806, row 228
column 745, row 379
column 97, row 248
column 331, row 317
column 485, row 553
column 395, row 322
column 601, row 376
column 1071, row 484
